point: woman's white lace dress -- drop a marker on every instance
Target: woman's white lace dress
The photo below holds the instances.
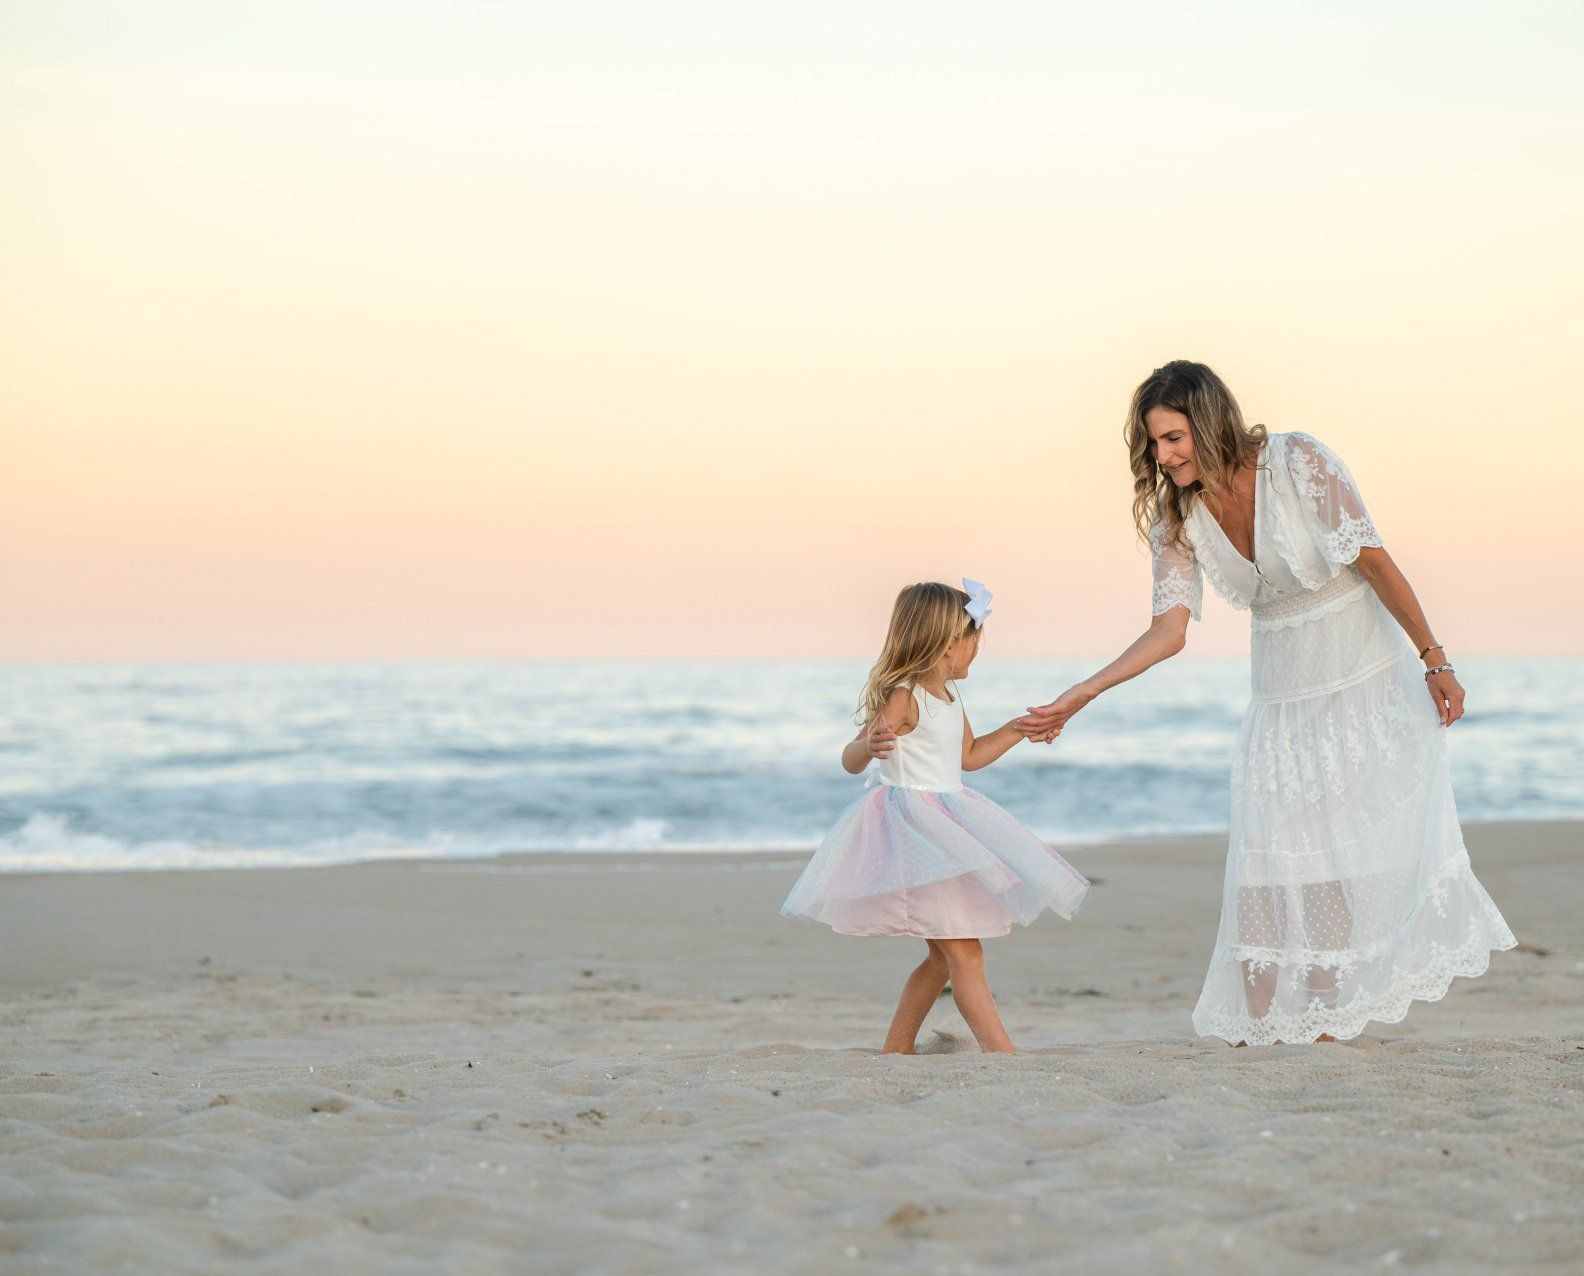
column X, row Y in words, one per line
column 1348, row 888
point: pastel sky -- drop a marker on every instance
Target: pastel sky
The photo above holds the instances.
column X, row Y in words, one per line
column 696, row 329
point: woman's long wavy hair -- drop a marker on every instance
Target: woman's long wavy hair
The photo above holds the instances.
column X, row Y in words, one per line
column 925, row 620
column 1222, row 443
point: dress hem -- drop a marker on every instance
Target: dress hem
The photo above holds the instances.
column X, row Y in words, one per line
column 1470, row 962
column 898, row 934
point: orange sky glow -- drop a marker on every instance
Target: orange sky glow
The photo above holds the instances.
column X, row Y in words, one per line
column 584, row 339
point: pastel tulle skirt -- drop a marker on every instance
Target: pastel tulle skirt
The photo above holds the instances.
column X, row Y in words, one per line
column 936, row 863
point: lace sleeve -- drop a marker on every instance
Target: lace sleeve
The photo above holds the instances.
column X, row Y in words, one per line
column 1333, row 510
column 1178, row 582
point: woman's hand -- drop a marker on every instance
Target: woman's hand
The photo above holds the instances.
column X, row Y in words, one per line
column 1047, row 721
column 1397, row 596
column 1447, row 692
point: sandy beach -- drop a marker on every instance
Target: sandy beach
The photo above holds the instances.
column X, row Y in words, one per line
column 600, row 1063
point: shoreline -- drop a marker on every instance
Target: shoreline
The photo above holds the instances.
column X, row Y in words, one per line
column 468, row 915
column 696, row 852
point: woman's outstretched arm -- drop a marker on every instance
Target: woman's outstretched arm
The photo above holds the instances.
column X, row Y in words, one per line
column 1398, row 597
column 1166, row 636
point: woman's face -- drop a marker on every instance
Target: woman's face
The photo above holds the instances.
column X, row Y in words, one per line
column 1172, row 442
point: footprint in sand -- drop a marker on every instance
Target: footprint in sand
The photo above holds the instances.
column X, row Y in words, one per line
column 945, row 1043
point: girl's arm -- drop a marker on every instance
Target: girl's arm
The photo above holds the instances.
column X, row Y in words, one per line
column 1397, row 595
column 981, row 751
column 878, row 737
column 1166, row 636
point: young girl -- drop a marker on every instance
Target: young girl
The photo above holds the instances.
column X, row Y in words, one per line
column 921, row 854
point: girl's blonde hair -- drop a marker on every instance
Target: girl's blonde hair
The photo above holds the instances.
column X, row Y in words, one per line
column 925, row 620
column 1222, row 443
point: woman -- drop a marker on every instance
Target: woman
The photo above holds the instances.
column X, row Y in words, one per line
column 1348, row 888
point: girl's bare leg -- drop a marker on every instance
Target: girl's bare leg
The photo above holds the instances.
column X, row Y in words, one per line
column 919, row 995
column 965, row 966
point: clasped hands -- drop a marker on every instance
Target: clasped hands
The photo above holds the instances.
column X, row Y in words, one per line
column 1043, row 724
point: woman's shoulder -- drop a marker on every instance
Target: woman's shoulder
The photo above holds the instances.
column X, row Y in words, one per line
column 1301, row 461
column 1299, row 446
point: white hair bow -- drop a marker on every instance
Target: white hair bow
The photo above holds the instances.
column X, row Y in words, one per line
column 978, row 604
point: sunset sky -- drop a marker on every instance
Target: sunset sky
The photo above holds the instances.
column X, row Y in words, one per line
column 559, row 330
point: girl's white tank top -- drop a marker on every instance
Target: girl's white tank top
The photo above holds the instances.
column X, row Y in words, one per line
column 930, row 755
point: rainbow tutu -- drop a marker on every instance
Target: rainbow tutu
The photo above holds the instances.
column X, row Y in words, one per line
column 935, row 863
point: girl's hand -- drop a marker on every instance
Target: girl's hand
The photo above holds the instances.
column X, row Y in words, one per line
column 881, row 739
column 1447, row 693
column 1049, row 719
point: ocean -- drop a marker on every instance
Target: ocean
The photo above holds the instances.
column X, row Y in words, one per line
column 167, row 765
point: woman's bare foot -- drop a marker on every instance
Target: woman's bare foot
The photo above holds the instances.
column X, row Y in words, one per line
column 1243, row 1045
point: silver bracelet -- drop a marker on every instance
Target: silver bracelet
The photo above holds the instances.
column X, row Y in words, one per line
column 1438, row 669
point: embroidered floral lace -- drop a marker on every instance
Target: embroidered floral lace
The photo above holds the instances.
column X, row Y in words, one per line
column 1348, row 890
